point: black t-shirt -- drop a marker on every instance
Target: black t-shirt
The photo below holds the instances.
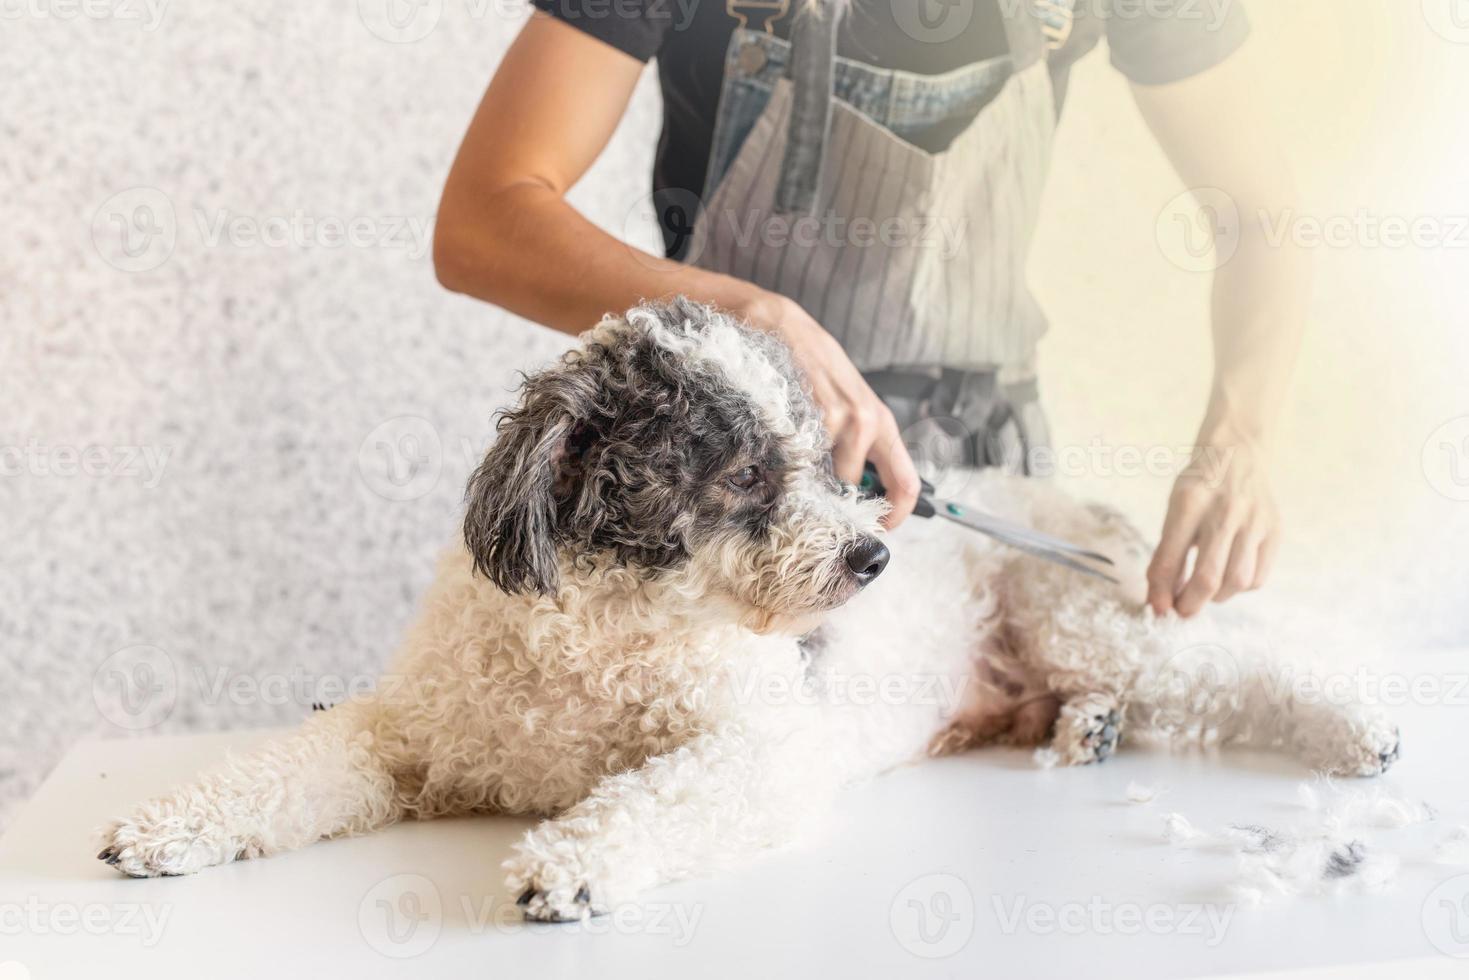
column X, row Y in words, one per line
column 1151, row 42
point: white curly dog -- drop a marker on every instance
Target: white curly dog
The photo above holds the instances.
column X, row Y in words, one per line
column 652, row 637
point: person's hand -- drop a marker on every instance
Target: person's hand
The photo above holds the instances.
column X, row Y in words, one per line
column 1221, row 506
column 861, row 426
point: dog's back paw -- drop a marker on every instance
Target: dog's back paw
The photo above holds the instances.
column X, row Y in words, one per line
column 1088, row 730
column 1366, row 751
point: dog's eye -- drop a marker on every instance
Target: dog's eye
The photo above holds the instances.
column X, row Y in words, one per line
column 745, row 480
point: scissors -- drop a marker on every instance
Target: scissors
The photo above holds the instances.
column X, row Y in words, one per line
column 1028, row 540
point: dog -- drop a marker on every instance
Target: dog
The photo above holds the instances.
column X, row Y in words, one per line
column 670, row 632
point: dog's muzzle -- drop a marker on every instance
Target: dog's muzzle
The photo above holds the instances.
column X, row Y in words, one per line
column 866, row 559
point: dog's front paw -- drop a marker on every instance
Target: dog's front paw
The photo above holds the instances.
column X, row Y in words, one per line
column 561, row 874
column 154, row 842
column 550, row 891
column 1087, row 730
column 552, row 906
column 172, row 835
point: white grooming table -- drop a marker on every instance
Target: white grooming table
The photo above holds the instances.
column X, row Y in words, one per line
column 919, row 876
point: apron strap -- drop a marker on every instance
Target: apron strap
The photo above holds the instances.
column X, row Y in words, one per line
column 812, row 67
column 1033, row 33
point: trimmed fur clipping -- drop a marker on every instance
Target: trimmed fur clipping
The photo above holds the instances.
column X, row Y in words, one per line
column 1454, row 849
column 1328, row 852
column 1140, row 793
column 1178, row 830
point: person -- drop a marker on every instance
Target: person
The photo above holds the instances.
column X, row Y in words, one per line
column 862, row 178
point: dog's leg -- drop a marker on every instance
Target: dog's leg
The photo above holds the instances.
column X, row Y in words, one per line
column 1347, row 738
column 1082, row 643
column 325, row 780
column 1100, row 650
column 1116, row 667
column 1079, row 638
column 708, row 804
column 1234, row 694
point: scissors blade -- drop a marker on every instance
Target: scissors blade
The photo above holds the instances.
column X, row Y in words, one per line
column 990, row 524
column 1027, row 540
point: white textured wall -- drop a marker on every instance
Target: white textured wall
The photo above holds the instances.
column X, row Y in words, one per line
column 307, row 414
column 269, row 377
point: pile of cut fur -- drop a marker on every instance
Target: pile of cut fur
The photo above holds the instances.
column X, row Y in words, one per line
column 1328, row 849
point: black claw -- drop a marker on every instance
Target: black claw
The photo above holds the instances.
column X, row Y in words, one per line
column 1397, row 744
column 109, row 855
column 1386, row 759
column 1103, row 738
column 583, row 896
column 526, row 896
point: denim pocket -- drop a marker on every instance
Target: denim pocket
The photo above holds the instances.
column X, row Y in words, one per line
column 926, row 111
column 740, row 105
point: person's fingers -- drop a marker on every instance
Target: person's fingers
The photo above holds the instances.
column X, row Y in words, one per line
column 1239, row 572
column 1165, row 571
column 853, row 442
column 1266, row 559
column 899, row 475
column 846, row 459
column 833, row 406
column 1208, row 573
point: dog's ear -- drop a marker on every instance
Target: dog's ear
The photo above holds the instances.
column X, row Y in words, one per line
column 510, row 521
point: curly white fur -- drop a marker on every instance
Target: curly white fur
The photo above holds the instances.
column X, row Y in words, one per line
column 667, row 722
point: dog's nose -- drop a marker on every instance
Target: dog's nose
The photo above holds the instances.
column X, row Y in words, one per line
column 867, row 558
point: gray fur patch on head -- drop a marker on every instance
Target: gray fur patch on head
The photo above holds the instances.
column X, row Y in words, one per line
column 755, row 363
column 623, row 453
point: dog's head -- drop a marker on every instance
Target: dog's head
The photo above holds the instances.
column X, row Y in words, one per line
column 681, row 446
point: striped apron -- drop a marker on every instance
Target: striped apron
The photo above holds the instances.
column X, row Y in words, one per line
column 898, row 210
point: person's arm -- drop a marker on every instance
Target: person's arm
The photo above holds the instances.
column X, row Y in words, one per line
column 1218, row 133
column 505, row 234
